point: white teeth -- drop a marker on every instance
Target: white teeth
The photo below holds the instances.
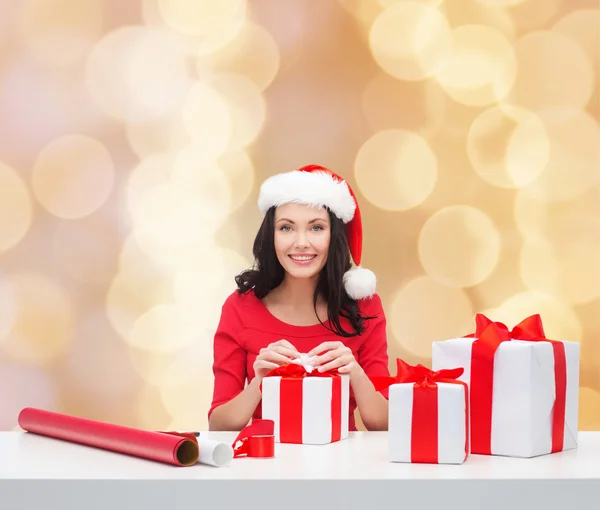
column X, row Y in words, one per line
column 310, row 257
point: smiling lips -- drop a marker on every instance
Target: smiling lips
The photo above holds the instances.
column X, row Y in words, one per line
column 302, row 260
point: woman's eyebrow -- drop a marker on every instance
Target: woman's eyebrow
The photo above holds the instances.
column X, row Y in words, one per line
column 290, row 221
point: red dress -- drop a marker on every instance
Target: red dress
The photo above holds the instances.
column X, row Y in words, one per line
column 247, row 326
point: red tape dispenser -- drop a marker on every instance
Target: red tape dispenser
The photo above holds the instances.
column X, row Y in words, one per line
column 256, row 440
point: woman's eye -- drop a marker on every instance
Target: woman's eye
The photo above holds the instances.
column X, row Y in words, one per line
column 317, row 227
column 286, row 228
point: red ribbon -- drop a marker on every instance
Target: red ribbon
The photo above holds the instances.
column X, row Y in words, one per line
column 256, row 440
column 489, row 337
column 290, row 401
column 424, row 432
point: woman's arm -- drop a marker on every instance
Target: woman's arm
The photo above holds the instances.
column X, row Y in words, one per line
column 372, row 360
column 236, row 414
column 371, row 404
column 233, row 404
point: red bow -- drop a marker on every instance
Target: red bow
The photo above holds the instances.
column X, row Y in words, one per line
column 494, row 333
column 294, row 371
column 489, row 335
column 419, row 374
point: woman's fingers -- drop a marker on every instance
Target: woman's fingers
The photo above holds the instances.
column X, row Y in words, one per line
column 261, row 364
column 338, row 363
column 329, row 356
column 273, row 356
column 284, row 343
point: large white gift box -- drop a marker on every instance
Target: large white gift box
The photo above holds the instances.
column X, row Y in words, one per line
column 523, row 389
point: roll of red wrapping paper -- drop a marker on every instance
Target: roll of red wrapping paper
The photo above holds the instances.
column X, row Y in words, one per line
column 173, row 449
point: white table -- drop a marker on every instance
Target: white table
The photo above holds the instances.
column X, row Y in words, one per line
column 43, row 473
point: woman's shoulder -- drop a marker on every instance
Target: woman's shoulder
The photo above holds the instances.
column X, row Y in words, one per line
column 371, row 305
column 241, row 302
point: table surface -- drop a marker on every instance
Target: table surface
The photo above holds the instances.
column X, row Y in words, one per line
column 362, row 456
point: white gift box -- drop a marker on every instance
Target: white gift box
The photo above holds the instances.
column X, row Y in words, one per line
column 523, row 394
column 452, row 414
column 315, row 415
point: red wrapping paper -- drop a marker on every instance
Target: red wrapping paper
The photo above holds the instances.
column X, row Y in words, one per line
column 170, row 448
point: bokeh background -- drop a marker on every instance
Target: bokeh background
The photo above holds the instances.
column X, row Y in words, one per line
column 134, row 136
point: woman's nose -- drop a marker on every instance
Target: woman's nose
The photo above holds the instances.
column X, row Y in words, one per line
column 301, row 240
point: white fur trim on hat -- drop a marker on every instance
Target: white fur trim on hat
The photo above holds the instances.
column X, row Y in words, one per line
column 360, row 282
column 309, row 188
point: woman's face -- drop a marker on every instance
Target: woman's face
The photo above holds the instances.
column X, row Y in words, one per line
column 301, row 238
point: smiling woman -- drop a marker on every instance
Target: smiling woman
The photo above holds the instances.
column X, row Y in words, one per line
column 302, row 296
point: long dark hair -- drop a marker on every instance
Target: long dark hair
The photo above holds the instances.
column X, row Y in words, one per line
column 268, row 274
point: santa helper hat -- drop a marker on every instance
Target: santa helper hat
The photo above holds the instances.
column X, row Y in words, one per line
column 318, row 186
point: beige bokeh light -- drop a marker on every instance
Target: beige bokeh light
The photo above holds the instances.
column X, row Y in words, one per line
column 201, row 41
column 569, row 271
column 509, row 147
column 246, row 104
column 207, row 119
column 160, row 136
column 582, row 26
column 560, row 249
column 16, row 208
column 574, row 163
column 150, row 410
column 60, row 31
column 238, row 169
column 589, row 408
column 253, row 54
column 414, row 106
column 490, row 13
column 201, row 290
column 73, row 176
column 176, row 398
column 164, row 329
column 137, row 74
column 365, row 12
column 459, row 246
column 36, row 388
column 44, row 320
column 173, row 368
column 8, row 305
column 410, row 40
column 86, row 249
column 530, row 15
column 201, row 17
column 97, row 361
column 560, row 321
column 424, row 311
column 174, row 221
column 482, row 68
column 538, row 266
column 547, row 58
column 396, row 169
column 139, row 285
column 531, row 216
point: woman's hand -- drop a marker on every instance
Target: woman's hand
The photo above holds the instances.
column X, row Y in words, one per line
column 274, row 355
column 331, row 355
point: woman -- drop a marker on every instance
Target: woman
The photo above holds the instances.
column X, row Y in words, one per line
column 302, row 298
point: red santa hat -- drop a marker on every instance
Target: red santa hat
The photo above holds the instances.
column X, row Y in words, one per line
column 318, row 186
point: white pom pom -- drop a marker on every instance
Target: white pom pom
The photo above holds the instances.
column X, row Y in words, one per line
column 360, row 282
